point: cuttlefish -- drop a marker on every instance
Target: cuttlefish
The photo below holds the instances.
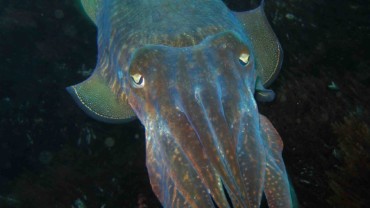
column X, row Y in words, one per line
column 191, row 72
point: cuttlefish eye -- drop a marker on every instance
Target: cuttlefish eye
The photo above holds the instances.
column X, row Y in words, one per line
column 244, row 59
column 138, row 80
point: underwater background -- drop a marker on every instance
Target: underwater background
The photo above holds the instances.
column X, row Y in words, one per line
column 53, row 155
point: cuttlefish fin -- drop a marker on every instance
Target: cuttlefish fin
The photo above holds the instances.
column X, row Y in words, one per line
column 99, row 101
column 91, row 8
column 267, row 50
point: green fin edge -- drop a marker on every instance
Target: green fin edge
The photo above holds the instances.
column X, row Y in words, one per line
column 267, row 49
column 91, row 8
column 96, row 98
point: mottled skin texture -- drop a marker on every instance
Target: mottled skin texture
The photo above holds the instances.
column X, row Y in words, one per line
column 189, row 70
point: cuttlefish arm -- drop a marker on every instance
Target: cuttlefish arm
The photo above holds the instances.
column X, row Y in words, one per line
column 276, row 186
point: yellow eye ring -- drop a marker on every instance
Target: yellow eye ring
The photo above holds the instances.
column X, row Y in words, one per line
column 138, row 80
column 244, row 59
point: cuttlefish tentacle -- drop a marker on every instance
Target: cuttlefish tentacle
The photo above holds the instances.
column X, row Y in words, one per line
column 215, row 138
column 211, row 124
column 277, row 188
column 185, row 137
column 242, row 116
column 187, row 188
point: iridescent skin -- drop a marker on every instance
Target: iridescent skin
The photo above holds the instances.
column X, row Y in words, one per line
column 190, row 71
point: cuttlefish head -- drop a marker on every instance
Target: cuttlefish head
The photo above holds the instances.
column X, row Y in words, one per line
column 197, row 105
column 164, row 80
